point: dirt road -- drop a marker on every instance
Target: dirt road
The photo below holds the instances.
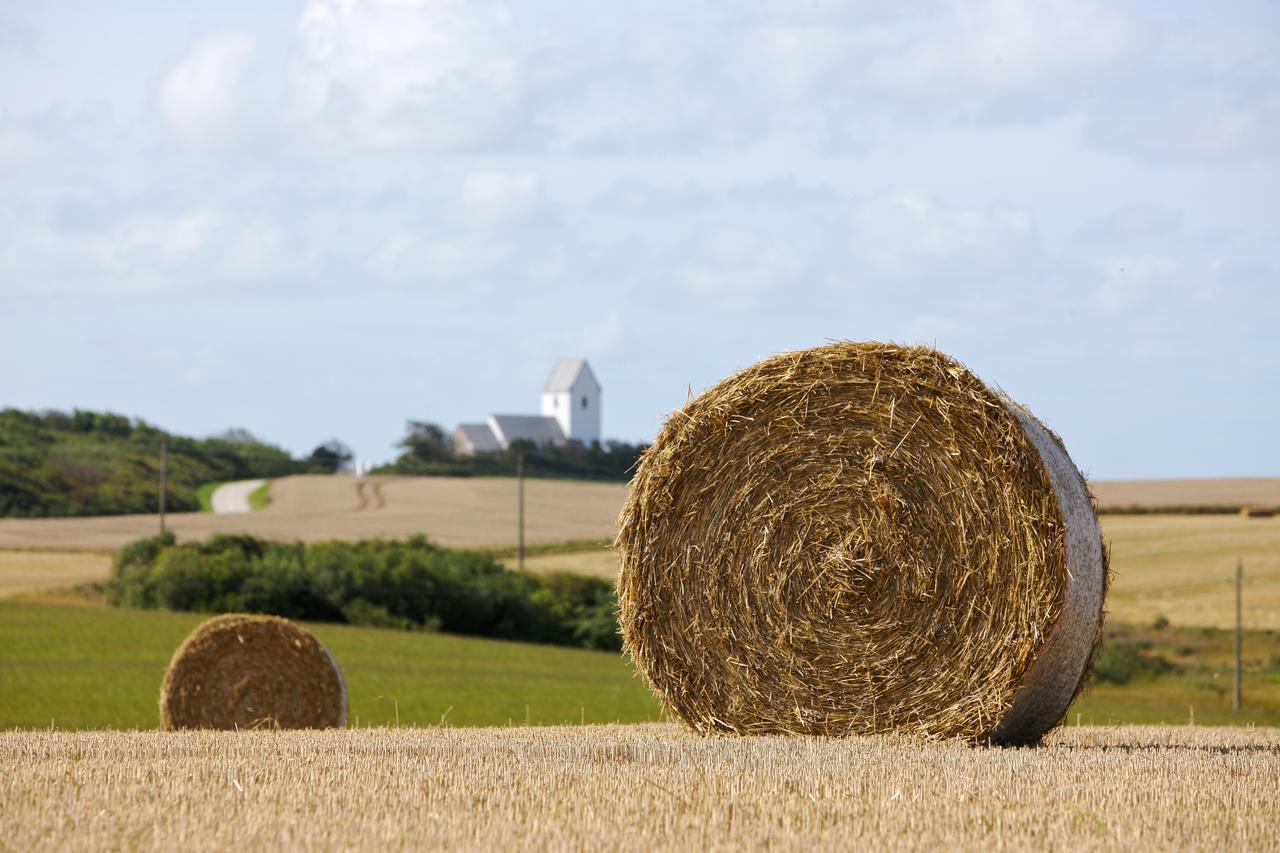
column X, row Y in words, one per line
column 230, row 498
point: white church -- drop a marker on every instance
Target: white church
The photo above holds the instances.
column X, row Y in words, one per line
column 570, row 412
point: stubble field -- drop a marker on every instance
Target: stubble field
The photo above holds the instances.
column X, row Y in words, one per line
column 637, row 787
column 1207, row 492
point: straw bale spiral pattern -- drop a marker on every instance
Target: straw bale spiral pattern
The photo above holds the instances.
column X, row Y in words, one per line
column 244, row 672
column 859, row 538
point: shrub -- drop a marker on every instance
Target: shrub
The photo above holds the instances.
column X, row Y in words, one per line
column 1120, row 663
column 413, row 584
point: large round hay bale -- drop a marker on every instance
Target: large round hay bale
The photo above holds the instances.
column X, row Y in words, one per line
column 861, row 538
column 244, row 672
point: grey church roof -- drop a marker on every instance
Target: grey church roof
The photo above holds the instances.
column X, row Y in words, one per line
column 480, row 437
column 565, row 373
column 539, row 428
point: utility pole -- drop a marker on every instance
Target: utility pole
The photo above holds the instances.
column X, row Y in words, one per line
column 520, row 492
column 1237, row 701
column 164, row 475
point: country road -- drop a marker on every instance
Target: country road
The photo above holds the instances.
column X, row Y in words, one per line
column 234, row 497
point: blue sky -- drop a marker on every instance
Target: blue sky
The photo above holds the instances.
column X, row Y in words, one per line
column 320, row 219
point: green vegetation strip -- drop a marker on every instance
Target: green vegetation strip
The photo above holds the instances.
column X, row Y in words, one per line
column 260, row 498
column 204, row 495
column 571, row 546
column 86, row 668
column 413, row 584
column 1166, row 674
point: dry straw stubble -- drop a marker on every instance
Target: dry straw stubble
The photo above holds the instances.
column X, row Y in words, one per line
column 243, row 672
column 860, row 538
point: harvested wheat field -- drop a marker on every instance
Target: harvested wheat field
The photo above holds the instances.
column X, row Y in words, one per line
column 25, row 572
column 637, row 787
column 454, row 511
column 1206, row 492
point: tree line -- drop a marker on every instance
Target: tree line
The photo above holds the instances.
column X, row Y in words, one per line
column 56, row 463
column 427, row 449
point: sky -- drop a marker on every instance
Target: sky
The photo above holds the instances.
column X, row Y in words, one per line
column 322, row 219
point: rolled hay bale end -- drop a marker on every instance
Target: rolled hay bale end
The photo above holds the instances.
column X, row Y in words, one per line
column 861, row 538
column 245, row 672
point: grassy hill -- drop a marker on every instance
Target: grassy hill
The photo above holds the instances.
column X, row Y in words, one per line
column 90, row 463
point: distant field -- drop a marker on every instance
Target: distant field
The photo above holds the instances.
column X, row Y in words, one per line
column 638, row 787
column 455, row 511
column 598, row 563
column 1239, row 491
column 31, row 571
column 1183, row 568
column 481, row 511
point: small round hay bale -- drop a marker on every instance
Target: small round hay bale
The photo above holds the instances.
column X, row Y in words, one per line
column 244, row 672
column 861, row 538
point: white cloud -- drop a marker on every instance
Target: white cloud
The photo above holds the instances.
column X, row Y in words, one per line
column 17, row 146
column 1160, row 283
column 491, row 197
column 390, row 256
column 1193, row 126
column 738, row 263
column 145, row 240
column 911, row 234
column 201, row 96
column 392, row 73
column 1012, row 46
column 254, row 250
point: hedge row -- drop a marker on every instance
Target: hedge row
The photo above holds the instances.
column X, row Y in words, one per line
column 413, row 584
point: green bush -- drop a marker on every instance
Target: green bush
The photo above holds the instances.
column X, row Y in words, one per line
column 1122, row 662
column 413, row 584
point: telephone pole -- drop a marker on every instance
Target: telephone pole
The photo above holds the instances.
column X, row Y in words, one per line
column 520, row 492
column 1237, row 702
column 164, row 475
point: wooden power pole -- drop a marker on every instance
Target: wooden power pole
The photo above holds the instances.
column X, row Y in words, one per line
column 164, row 475
column 1237, row 701
column 520, row 500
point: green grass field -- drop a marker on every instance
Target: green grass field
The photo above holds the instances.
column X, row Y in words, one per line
column 84, row 667
column 96, row 667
